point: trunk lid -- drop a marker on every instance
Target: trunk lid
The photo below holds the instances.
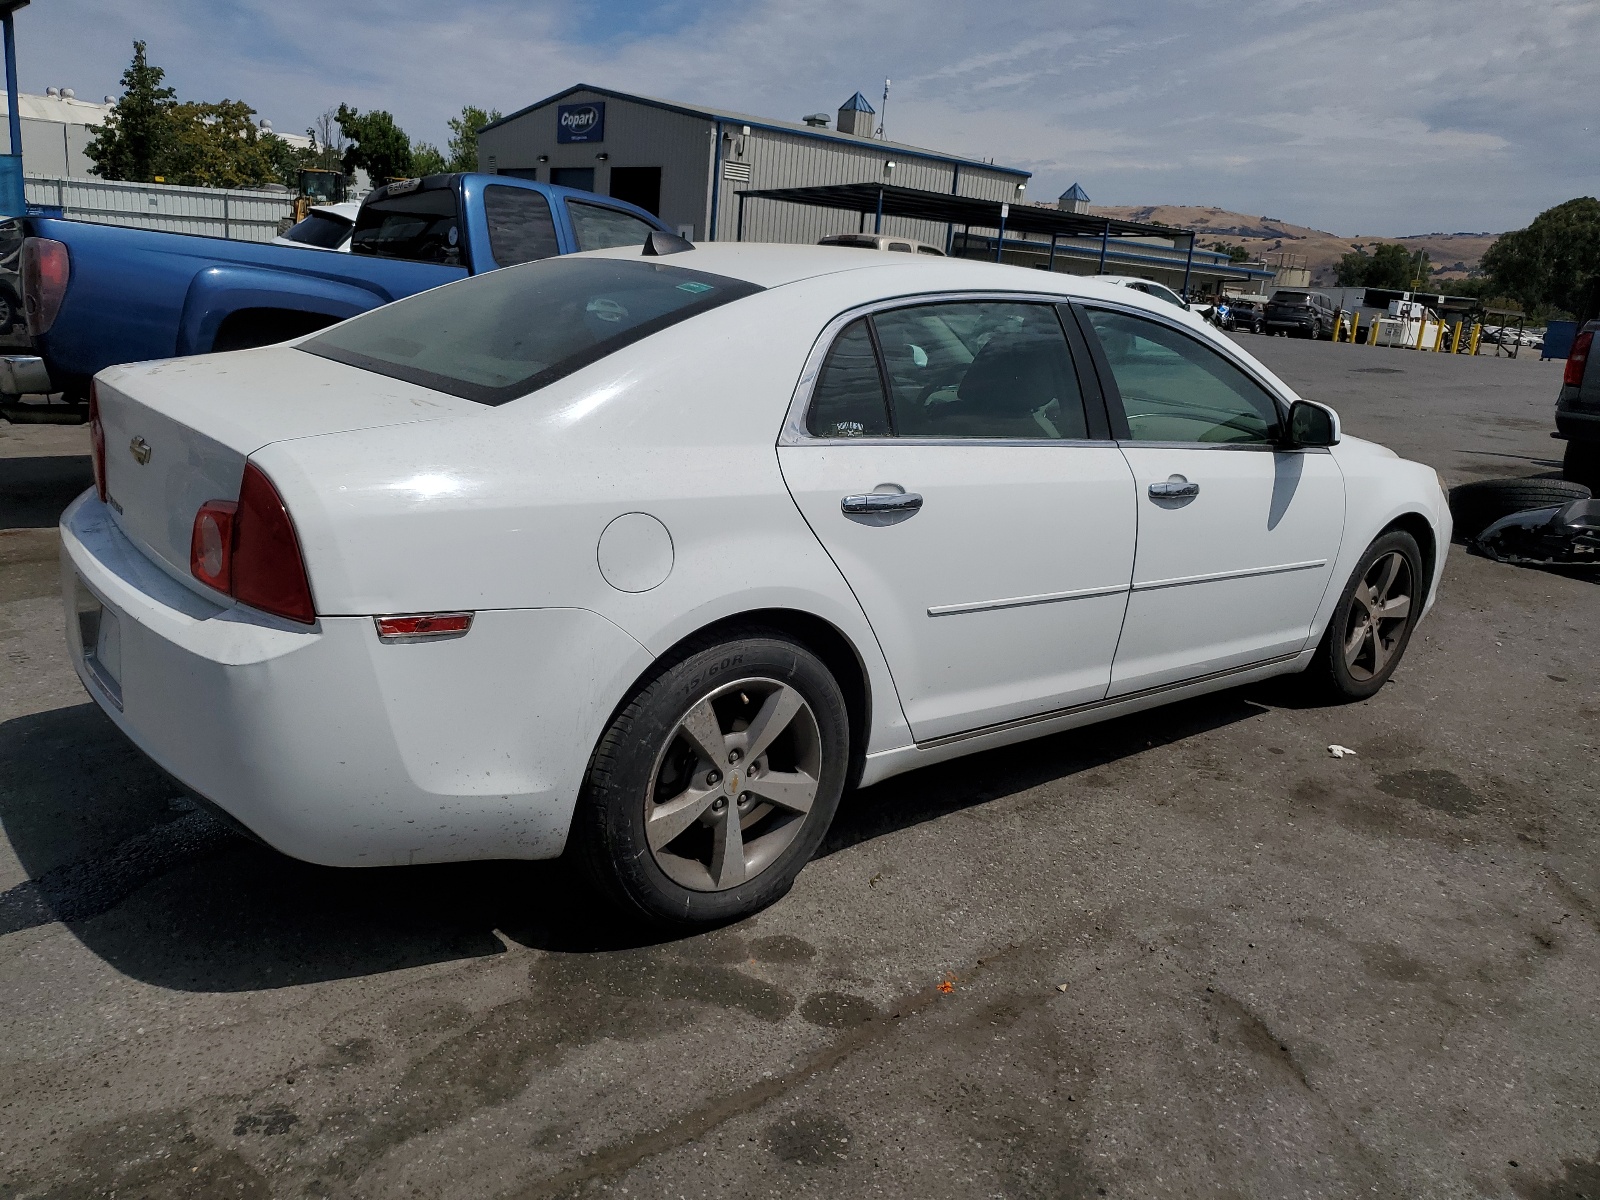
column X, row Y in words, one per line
column 177, row 432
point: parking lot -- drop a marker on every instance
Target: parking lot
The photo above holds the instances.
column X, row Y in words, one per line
column 1189, row 952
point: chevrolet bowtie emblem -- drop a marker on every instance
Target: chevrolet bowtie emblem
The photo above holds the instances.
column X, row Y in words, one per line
column 140, row 449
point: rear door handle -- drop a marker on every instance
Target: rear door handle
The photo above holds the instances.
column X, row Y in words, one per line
column 881, row 502
column 1176, row 488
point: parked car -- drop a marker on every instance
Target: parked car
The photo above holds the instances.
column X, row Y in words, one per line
column 1301, row 313
column 1148, row 286
column 880, row 241
column 564, row 556
column 1578, row 410
column 1244, row 315
column 326, row 227
column 199, row 294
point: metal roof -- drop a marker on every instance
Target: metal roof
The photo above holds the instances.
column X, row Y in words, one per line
column 1075, row 192
column 962, row 210
column 795, row 128
column 857, row 103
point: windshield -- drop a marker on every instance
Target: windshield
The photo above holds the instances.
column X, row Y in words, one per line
column 513, row 331
column 320, row 229
column 1289, row 298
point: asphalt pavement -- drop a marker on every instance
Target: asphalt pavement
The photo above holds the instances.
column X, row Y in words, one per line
column 1186, row 953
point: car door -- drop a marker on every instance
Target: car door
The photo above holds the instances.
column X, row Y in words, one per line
column 1237, row 534
column 943, row 454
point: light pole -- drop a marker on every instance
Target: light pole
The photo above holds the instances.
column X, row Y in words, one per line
column 12, row 201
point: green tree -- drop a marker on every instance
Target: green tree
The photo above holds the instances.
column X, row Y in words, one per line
column 463, row 144
column 136, row 138
column 1390, row 266
column 1554, row 263
column 1236, row 254
column 426, row 159
column 219, row 145
column 377, row 144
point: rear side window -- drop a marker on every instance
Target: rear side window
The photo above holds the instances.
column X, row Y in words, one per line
column 424, row 226
column 598, row 227
column 502, row 335
column 521, row 228
column 321, row 230
column 848, row 400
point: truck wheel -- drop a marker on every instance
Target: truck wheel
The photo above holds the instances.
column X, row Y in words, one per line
column 1476, row 506
column 716, row 782
column 1581, row 463
column 1372, row 623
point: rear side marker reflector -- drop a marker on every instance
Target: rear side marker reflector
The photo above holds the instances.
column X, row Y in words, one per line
column 423, row 627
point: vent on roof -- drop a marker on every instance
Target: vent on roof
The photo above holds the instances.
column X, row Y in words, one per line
column 816, row 120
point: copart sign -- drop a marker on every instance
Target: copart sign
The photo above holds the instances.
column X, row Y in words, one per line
column 581, row 123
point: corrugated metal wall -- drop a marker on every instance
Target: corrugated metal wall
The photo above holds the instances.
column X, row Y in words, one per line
column 771, row 159
column 246, row 216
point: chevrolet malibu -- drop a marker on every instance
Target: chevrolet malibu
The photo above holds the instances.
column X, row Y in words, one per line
column 650, row 556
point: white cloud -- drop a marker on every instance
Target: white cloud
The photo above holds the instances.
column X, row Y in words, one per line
column 1374, row 116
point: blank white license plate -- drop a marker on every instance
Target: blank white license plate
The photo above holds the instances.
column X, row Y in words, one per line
column 101, row 633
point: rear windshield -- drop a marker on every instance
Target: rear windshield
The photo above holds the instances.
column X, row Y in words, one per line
column 1290, row 298
column 424, row 226
column 502, row 335
column 320, row 229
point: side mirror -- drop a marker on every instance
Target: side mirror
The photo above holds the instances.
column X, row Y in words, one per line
column 1312, row 425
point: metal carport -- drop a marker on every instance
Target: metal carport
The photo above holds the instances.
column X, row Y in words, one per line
column 887, row 200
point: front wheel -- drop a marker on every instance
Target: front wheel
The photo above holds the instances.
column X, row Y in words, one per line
column 1372, row 623
column 715, row 784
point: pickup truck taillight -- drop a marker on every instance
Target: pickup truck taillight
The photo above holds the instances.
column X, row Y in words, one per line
column 46, row 268
column 97, row 442
column 249, row 550
column 1577, row 358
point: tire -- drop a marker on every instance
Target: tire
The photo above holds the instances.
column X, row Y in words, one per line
column 1365, row 618
column 655, row 767
column 1476, row 506
column 1581, row 463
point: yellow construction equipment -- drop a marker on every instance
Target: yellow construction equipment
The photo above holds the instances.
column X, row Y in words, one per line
column 317, row 187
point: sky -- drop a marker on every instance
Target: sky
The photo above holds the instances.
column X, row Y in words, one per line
column 1361, row 118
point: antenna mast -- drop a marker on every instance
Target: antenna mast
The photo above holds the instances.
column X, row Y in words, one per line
column 883, row 111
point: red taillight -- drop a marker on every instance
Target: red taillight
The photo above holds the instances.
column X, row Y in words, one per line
column 252, row 549
column 211, row 544
column 97, row 442
column 423, row 626
column 1577, row 358
column 46, row 268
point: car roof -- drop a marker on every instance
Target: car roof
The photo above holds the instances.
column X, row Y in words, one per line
column 771, row 264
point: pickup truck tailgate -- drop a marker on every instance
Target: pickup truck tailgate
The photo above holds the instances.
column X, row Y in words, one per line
column 177, row 432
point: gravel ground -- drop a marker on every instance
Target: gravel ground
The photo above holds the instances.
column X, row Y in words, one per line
column 1184, row 953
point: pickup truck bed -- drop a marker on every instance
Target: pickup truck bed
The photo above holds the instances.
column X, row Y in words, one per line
column 133, row 294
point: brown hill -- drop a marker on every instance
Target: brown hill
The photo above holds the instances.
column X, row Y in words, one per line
column 1453, row 254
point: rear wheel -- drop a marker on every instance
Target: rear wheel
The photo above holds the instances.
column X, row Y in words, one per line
column 715, row 784
column 1372, row 623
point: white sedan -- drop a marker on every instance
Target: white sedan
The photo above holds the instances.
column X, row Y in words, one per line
column 653, row 556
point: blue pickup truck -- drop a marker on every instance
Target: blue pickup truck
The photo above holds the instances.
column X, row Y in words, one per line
column 98, row 295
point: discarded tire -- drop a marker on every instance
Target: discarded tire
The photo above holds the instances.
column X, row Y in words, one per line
column 1476, row 506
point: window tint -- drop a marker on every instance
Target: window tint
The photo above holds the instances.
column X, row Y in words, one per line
column 598, row 228
column 904, row 247
column 323, row 230
column 848, row 399
column 507, row 333
column 929, row 250
column 520, row 226
column 1174, row 389
column 424, row 226
column 987, row 370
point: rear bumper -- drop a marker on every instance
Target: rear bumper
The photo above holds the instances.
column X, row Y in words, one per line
column 333, row 747
column 1578, row 426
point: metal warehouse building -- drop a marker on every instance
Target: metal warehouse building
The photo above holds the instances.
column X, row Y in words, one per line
column 686, row 164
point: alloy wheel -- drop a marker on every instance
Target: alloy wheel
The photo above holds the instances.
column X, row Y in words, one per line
column 733, row 783
column 1376, row 622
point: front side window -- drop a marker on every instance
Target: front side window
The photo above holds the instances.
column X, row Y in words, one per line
column 599, row 228
column 980, row 369
column 1174, row 389
column 848, row 399
column 423, row 226
column 521, row 228
column 502, row 335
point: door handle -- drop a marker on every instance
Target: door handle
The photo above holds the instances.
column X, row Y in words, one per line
column 881, row 502
column 1176, row 488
